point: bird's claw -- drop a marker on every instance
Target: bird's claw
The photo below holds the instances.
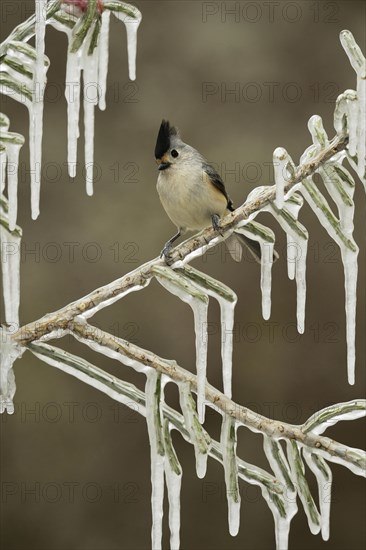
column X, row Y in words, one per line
column 165, row 253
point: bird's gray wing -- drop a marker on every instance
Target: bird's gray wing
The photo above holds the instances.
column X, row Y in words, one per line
column 216, row 180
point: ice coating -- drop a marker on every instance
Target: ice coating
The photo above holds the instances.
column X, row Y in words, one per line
column 356, row 122
column 324, row 478
column 228, row 447
column 298, row 475
column 13, row 150
column 281, row 469
column 9, row 353
column 321, row 420
column 118, row 355
column 87, row 373
column 10, row 265
column 157, row 459
column 3, row 162
column 109, row 301
column 193, row 428
column 281, row 163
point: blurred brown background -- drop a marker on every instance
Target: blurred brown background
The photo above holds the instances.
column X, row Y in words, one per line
column 86, row 458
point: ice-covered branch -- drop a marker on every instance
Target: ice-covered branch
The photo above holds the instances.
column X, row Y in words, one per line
column 196, row 245
column 129, row 353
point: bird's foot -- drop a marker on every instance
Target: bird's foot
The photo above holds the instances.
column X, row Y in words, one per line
column 216, row 223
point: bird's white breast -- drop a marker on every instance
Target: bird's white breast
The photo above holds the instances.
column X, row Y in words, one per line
column 188, row 197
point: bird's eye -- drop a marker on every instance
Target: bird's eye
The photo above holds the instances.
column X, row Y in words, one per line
column 174, row 153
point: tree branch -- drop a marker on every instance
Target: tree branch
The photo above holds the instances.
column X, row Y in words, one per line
column 140, row 277
column 104, row 342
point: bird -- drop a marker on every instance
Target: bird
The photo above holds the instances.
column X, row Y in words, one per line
column 192, row 193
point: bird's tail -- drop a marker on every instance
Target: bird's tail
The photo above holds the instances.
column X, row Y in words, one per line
column 235, row 246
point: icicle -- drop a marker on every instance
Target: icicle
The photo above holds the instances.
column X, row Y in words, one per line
column 131, row 24
column 300, row 274
column 349, row 253
column 227, row 300
column 336, row 178
column 266, row 278
column 282, row 523
column 291, row 257
column 228, row 446
column 9, row 353
column 10, row 264
column 297, row 241
column 103, row 59
column 349, row 259
column 72, row 94
column 173, row 476
column 194, row 428
column 36, row 125
column 191, row 295
column 266, row 239
column 227, row 310
column 86, row 59
column 90, row 79
column 153, row 420
column 324, row 477
column 199, row 308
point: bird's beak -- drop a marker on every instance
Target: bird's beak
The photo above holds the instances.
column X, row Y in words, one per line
column 163, row 162
column 164, row 165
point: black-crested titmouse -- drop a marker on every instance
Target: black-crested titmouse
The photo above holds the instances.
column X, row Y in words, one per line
column 192, row 192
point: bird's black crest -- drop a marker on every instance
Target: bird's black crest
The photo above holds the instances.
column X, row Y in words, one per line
column 163, row 141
